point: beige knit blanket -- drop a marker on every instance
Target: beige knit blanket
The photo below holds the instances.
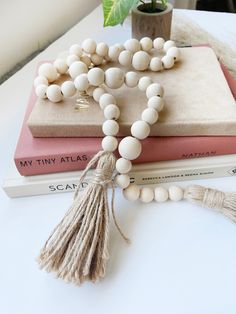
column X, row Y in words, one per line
column 184, row 31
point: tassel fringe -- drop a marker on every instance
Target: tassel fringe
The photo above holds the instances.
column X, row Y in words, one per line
column 214, row 199
column 77, row 249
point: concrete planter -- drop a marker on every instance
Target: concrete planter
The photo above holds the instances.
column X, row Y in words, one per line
column 151, row 24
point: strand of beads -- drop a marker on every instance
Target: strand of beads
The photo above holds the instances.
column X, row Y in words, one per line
column 138, row 54
column 133, row 53
column 90, row 54
column 130, row 147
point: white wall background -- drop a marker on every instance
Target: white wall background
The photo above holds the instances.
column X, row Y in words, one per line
column 28, row 25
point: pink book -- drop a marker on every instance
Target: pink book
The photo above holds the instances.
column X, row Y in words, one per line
column 50, row 155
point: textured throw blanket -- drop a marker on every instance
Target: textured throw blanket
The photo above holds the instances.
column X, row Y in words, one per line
column 186, row 32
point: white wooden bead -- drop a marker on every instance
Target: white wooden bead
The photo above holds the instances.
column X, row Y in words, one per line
column 122, row 180
column 109, row 143
column 140, row 60
column 102, row 49
column 54, row 93
column 112, row 112
column 77, row 68
column 68, row 89
column 125, row 58
column 155, row 64
column 40, row 80
column 146, row 195
column 96, row 59
column 81, row 82
column 114, row 78
column 41, row 90
column 47, row 70
column 86, row 60
column 110, row 127
column 89, row 45
column 96, row 76
column 150, row 115
column 161, row 194
column 61, row 66
column 132, row 192
column 144, row 82
column 131, row 79
column 154, row 89
column 97, row 93
column 156, row 103
column 140, row 129
column 113, row 53
column 132, row 45
column 123, row 165
column 168, row 62
column 175, row 53
column 76, row 50
column 120, row 47
column 90, row 90
column 168, row 44
column 158, row 43
column 175, row 193
column 130, row 148
column 146, row 44
column 71, row 59
column 106, row 99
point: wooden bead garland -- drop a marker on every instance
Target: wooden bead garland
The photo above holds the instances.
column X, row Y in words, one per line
column 77, row 250
column 135, row 53
column 82, row 61
column 130, row 147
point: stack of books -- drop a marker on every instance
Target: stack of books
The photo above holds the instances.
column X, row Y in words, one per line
column 195, row 137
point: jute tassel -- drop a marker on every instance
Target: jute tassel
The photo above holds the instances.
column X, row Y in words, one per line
column 77, row 249
column 211, row 198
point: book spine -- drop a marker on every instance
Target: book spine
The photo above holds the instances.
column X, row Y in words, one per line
column 155, row 149
column 52, row 164
column 16, row 188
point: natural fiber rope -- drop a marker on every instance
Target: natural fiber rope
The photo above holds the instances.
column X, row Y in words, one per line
column 77, row 250
column 213, row 199
column 103, row 177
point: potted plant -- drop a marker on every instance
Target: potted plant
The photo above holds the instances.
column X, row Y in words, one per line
column 152, row 19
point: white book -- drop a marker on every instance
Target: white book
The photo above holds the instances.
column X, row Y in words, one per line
column 16, row 185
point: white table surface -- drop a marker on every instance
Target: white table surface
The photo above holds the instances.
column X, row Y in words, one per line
column 182, row 258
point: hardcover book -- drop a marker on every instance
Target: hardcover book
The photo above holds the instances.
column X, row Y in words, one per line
column 152, row 173
column 198, row 101
column 50, row 155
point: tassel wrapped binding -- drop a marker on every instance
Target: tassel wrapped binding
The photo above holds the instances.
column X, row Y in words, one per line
column 214, row 199
column 77, row 249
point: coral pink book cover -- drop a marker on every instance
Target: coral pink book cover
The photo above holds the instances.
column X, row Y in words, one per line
column 51, row 155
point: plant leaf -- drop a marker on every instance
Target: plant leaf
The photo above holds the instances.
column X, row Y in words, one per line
column 164, row 3
column 115, row 11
